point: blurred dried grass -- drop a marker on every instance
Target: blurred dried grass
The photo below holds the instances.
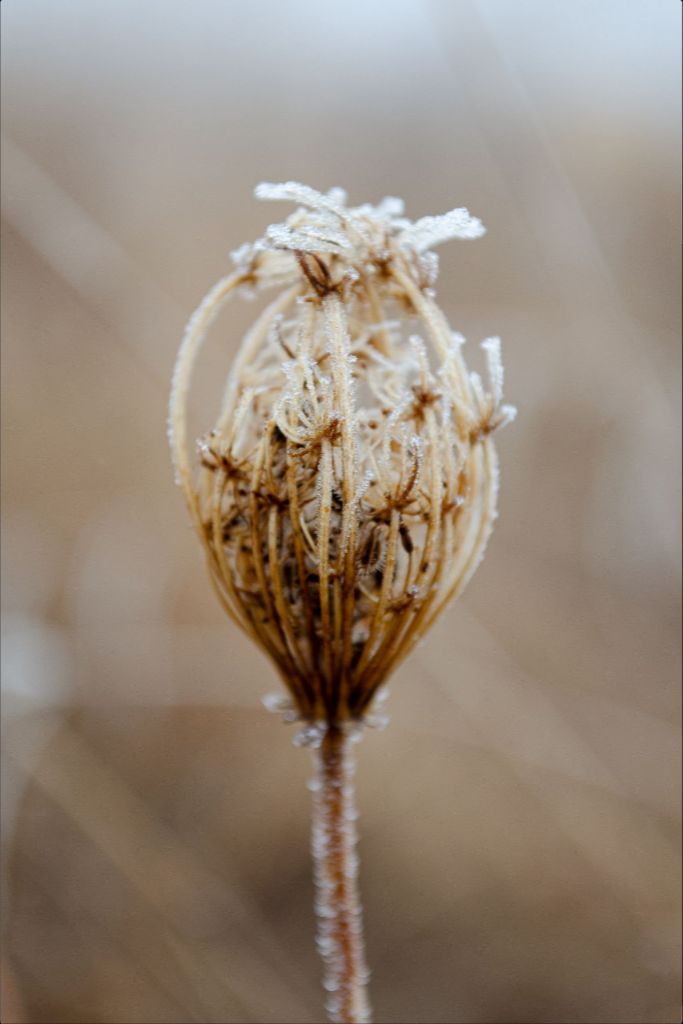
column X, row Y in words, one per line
column 520, row 814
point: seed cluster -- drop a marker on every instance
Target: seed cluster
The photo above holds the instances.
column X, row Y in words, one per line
column 348, row 487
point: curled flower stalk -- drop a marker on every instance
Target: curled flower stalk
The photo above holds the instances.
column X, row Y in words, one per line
column 346, row 491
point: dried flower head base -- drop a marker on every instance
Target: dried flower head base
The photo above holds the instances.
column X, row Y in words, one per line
column 347, row 489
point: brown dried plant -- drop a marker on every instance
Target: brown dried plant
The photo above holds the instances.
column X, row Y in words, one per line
column 346, row 491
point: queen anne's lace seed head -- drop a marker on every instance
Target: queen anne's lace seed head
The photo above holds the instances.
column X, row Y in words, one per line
column 348, row 488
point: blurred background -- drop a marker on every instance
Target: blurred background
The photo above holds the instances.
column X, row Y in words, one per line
column 519, row 816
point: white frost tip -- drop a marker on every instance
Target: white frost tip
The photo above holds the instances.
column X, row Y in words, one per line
column 391, row 206
column 363, row 236
column 507, row 414
column 292, row 191
column 337, row 196
column 276, row 702
column 310, row 736
column 375, row 720
column 491, row 347
column 429, row 231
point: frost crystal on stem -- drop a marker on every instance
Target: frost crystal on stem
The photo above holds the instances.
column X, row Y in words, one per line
column 338, row 906
column 347, row 489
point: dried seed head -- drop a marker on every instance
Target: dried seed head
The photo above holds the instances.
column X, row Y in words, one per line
column 348, row 488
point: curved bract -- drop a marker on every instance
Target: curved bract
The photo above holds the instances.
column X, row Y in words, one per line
column 348, row 487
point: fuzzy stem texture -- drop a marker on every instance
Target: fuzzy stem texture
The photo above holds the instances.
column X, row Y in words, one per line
column 338, row 906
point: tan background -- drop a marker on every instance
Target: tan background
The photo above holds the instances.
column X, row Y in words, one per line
column 520, row 814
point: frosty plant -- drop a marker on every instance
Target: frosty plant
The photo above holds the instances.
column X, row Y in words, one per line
column 346, row 491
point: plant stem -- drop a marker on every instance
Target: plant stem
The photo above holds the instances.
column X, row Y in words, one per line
column 338, row 906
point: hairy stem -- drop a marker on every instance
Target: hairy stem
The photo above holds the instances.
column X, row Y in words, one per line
column 338, row 906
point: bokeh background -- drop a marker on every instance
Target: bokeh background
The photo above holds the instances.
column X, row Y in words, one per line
column 520, row 814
